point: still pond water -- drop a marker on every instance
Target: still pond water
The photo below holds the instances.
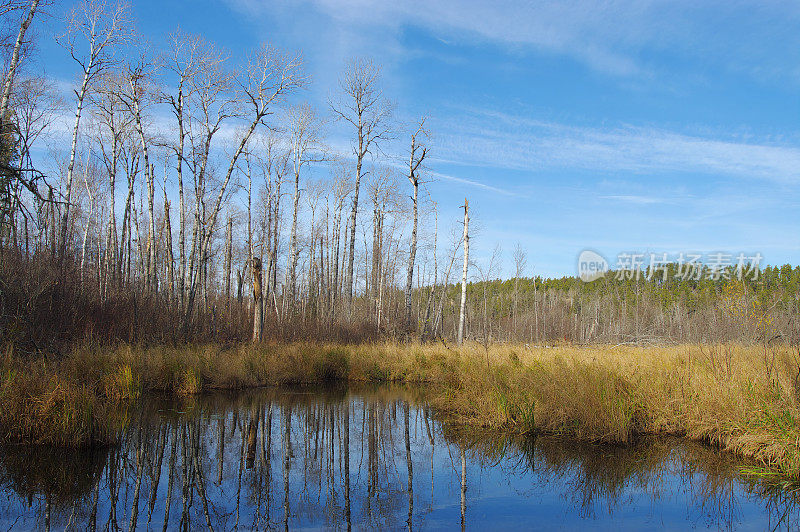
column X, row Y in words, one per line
column 371, row 459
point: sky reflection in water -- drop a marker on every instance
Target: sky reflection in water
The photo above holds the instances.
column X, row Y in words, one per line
column 272, row 459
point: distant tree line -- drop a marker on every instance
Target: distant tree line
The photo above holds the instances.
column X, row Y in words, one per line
column 618, row 309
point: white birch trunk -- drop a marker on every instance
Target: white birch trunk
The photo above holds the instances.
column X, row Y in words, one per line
column 81, row 96
column 12, row 68
column 464, row 275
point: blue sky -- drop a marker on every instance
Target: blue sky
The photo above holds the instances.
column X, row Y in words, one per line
column 632, row 125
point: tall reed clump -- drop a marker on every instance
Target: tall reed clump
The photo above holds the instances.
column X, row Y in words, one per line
column 47, row 402
column 559, row 395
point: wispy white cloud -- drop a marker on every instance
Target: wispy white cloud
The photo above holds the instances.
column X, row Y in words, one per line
column 630, row 198
column 478, row 184
column 615, row 37
column 487, row 138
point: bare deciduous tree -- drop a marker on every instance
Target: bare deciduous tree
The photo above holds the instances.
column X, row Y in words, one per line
column 136, row 97
column 386, row 202
column 305, row 149
column 187, row 58
column 362, row 105
column 342, row 189
column 112, row 126
column 98, row 26
column 269, row 76
column 416, row 158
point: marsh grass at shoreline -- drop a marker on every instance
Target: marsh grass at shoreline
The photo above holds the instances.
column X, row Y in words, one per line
column 741, row 398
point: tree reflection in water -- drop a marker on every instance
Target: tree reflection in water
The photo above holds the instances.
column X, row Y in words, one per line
column 347, row 459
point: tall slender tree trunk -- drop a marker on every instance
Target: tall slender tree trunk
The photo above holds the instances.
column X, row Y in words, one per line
column 325, row 260
column 250, row 251
column 354, row 211
column 432, row 293
column 89, row 217
column 81, row 95
column 373, row 266
column 181, row 204
column 168, row 245
column 150, row 259
column 124, row 262
column 292, row 266
column 191, row 273
column 228, row 260
column 377, row 263
column 417, row 157
column 12, row 67
column 112, row 252
column 266, row 235
column 151, row 230
column 464, row 274
column 337, row 234
column 276, row 238
column 52, row 207
column 412, row 253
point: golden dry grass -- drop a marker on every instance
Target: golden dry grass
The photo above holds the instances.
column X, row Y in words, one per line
column 741, row 398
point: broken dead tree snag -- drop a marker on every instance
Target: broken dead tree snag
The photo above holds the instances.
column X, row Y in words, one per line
column 258, row 318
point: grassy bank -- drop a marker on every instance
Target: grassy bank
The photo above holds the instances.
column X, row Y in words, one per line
column 741, row 398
